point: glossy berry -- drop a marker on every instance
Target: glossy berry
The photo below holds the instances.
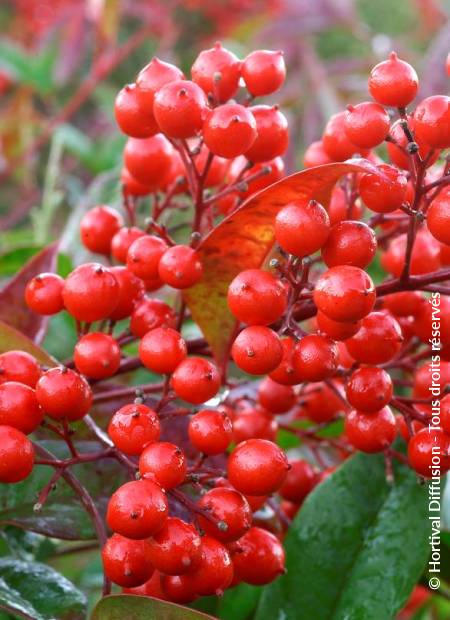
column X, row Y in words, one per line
column 214, row 572
column 350, row 243
column 322, row 403
column 341, row 209
column 315, row 155
column 90, row 292
column 377, row 341
column 131, row 186
column 425, row 319
column 423, row 378
column 16, row 455
column 398, row 148
column 123, row 240
column 127, row 562
column 425, row 449
column 131, row 289
column 229, row 514
column 257, row 467
column 133, row 427
column 285, row 372
column 149, row 314
column 257, row 297
column 178, row 589
column 152, row 587
column 254, row 423
column 217, row 72
column 264, row 72
column 316, row 358
column 345, row 293
column 272, row 129
column 229, row 130
column 257, row 350
column 366, row 124
column 180, row 267
column 154, row 76
column 369, row 389
column 385, row 193
column 210, row 431
column 137, row 510
column 432, row 121
column 404, row 303
column 300, row 481
column 43, row 293
column 177, row 547
column 149, row 160
column 19, row 407
column 143, row 256
column 19, row 366
column 425, row 256
column 259, row 557
column 63, row 393
column 132, row 114
column 180, row 108
column 164, row 463
column 337, row 330
column 393, row 82
column 97, row 355
column 371, row 432
column 438, row 217
column 162, row 350
column 302, row 228
column 196, row 380
column 336, row 143
column 97, row 228
column 275, row 397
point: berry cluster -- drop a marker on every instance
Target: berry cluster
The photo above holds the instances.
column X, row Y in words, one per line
column 327, row 344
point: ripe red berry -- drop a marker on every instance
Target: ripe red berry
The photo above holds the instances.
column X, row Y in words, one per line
column 164, row 463
column 438, row 217
column 259, row 557
column 257, row 350
column 143, row 256
column 275, row 397
column 217, row 72
column 43, row 293
column 97, row 228
column 423, row 378
column 425, row 256
column 350, row 243
column 366, row 124
column 149, row 160
column 132, row 114
column 196, row 380
column 302, row 228
column 377, row 341
column 152, row 587
column 131, row 186
column 386, row 193
column 180, row 267
column 149, row 314
column 270, row 172
column 315, row 155
column 432, row 121
column 214, row 572
column 393, row 82
column 257, row 467
column 19, row 407
column 336, row 330
column 273, row 137
column 322, row 403
column 229, row 514
column 16, row 455
column 127, row 562
column 405, row 303
column 176, row 549
column 341, row 209
column 398, row 147
column 254, row 423
column 133, row 427
column 345, row 293
column 316, row 358
column 300, row 480
column 425, row 319
column 264, row 72
column 137, row 510
column 131, row 289
column 162, row 350
column 97, row 355
column 19, row 366
column 369, row 389
column 210, row 431
column 336, row 143
column 428, row 450
column 154, row 76
column 122, row 240
column 371, row 432
column 177, row 588
column 257, row 297
column 180, row 108
column 90, row 292
column 229, row 130
column 445, row 414
column 285, row 372
column 63, row 393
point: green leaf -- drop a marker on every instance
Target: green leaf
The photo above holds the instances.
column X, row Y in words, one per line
column 142, row 608
column 12, row 261
column 11, row 339
column 238, row 603
column 356, row 549
column 36, row 591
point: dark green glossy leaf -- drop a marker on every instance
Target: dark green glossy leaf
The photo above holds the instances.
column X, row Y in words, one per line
column 142, row 608
column 239, row 603
column 356, row 548
column 36, row 591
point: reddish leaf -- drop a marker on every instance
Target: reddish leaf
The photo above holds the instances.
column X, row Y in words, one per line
column 244, row 240
column 11, row 339
column 13, row 309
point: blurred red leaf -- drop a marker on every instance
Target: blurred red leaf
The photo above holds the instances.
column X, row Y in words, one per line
column 11, row 339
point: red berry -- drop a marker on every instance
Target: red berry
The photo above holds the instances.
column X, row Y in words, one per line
column 369, row 389
column 90, row 292
column 302, row 228
column 43, row 293
column 336, row 143
column 285, row 372
column 176, row 549
column 405, row 303
column 257, row 297
column 386, row 193
column 350, row 243
column 425, row 256
column 300, row 480
column 254, row 423
column 427, row 451
column 19, row 366
column 423, row 378
column 162, row 350
column 270, row 171
column 445, row 414
column 19, row 407
column 152, row 587
column 340, row 209
column 149, row 314
column 138, row 509
column 217, row 72
column 316, row 358
column 259, row 557
column 217, row 171
column 345, row 293
column 133, row 427
column 149, row 160
column 393, row 82
column 180, row 267
column 131, row 289
column 16, row 455
column 143, row 256
column 132, row 114
column 335, row 329
column 180, row 108
column 196, row 380
column 210, row 431
column 322, row 403
column 229, row 130
column 164, row 463
column 127, row 562
column 214, row 572
column 97, row 355
column 438, row 217
column 230, row 511
column 178, row 589
column 257, row 350
column 398, row 147
column 315, row 155
column 432, row 121
column 63, row 393
column 264, row 72
column 272, row 129
column 122, row 241
column 366, row 124
column 257, row 467
column 274, row 397
column 371, row 432
column 98, row 227
column 154, row 76
column 133, row 187
column 425, row 320
column 377, row 341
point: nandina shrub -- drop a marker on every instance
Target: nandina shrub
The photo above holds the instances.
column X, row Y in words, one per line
column 263, row 324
